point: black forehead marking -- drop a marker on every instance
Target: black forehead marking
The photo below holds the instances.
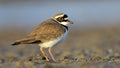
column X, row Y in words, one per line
column 65, row 16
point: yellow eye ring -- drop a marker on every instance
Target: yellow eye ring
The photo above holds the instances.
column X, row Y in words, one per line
column 60, row 19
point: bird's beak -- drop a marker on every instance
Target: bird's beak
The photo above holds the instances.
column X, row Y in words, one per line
column 70, row 22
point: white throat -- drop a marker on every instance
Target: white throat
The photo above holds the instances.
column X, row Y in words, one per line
column 64, row 23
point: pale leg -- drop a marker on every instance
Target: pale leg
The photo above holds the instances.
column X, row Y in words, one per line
column 49, row 50
column 44, row 54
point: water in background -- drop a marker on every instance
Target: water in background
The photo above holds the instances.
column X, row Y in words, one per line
column 83, row 14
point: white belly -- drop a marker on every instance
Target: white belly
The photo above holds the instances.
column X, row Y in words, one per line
column 54, row 42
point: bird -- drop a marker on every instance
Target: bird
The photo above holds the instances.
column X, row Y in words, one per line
column 48, row 33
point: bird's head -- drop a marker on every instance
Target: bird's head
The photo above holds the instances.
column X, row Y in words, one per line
column 62, row 19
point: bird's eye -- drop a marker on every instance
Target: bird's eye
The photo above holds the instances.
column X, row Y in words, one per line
column 60, row 19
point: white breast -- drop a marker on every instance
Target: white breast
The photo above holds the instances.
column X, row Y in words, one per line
column 54, row 42
column 64, row 36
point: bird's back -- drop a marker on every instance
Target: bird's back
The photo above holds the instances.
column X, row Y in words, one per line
column 47, row 30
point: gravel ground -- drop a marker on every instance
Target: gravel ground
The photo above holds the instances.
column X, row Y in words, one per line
column 89, row 48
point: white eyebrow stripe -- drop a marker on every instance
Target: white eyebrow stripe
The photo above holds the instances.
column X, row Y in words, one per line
column 66, row 18
column 59, row 16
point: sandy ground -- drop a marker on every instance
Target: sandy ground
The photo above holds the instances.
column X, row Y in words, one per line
column 90, row 48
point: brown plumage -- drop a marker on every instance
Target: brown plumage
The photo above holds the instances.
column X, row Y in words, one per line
column 48, row 30
column 48, row 34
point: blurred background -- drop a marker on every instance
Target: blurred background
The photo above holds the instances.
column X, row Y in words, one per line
column 29, row 13
column 96, row 22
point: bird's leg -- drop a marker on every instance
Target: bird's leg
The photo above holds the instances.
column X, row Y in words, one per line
column 44, row 54
column 49, row 50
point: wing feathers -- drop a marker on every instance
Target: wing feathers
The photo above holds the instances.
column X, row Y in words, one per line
column 27, row 40
column 46, row 31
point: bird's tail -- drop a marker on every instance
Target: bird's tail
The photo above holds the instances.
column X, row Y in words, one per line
column 22, row 41
column 15, row 43
column 27, row 40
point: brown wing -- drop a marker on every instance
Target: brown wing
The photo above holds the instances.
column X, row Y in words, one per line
column 47, row 30
column 27, row 40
